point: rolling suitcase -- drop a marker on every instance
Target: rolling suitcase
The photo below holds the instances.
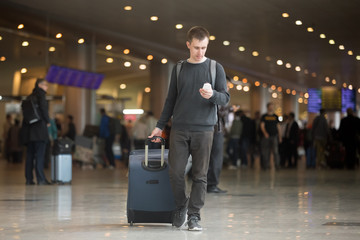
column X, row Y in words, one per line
column 150, row 198
column 61, row 161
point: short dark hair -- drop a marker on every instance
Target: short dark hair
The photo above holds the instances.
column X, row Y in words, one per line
column 39, row 80
column 292, row 115
column 197, row 32
column 268, row 104
column 70, row 117
column 102, row 110
column 322, row 111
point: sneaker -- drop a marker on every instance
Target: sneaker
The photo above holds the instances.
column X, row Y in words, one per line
column 180, row 215
column 193, row 223
column 232, row 167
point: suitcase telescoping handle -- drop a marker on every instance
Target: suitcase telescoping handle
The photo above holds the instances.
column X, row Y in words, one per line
column 147, row 149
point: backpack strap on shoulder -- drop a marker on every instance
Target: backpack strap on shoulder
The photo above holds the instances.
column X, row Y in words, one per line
column 213, row 72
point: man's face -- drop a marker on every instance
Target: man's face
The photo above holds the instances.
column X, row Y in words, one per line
column 271, row 108
column 197, row 49
column 44, row 86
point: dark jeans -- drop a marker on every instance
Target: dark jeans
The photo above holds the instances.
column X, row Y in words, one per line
column 268, row 145
column 182, row 144
column 108, row 150
column 216, row 159
column 244, row 146
column 233, row 150
column 35, row 155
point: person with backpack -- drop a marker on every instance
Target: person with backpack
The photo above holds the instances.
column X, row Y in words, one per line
column 107, row 133
column 192, row 102
column 35, row 133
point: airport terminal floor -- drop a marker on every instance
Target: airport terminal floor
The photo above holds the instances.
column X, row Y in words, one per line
column 285, row 204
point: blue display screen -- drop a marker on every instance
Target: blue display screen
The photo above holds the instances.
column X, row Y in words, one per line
column 75, row 78
column 348, row 99
column 314, row 101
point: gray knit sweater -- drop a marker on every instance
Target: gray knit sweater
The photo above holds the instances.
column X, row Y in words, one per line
column 190, row 111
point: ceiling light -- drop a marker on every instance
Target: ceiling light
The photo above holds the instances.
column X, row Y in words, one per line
column 126, row 51
column 231, row 85
column 0, row 38
column 108, row 47
column 147, row 89
column 226, row 43
column 279, row 89
column 164, row 61
column 306, row 95
column 322, row 35
column 154, row 18
column 212, row 37
column 23, row 70
column 306, row 101
column 241, row 49
column 274, row 95
column 128, row 8
column 246, row 88
column 236, row 78
column 25, row 43
column 344, row 85
column 59, row 35
column 264, row 85
column 20, row 26
column 350, row 53
column 359, row 90
column 273, row 87
column 142, row 67
column 298, row 22
column 358, row 57
column 127, row 64
column 306, row 71
column 239, row 87
column 285, row 15
column 150, row 57
column 268, row 59
column 179, row 26
column 279, row 62
column 341, row 47
column 244, row 80
column 297, row 68
column 288, row 91
column 52, row 49
column 255, row 53
column 122, row 86
column 327, row 79
column 2, row 58
column 331, row 41
column 310, row 29
column 257, row 83
column 313, row 74
column 109, row 60
column 333, row 81
column 81, row 40
column 350, row 87
column 288, row 65
column 133, row 111
column 300, row 100
column 293, row 92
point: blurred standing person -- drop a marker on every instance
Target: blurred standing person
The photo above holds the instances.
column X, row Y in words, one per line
column 349, row 132
column 140, row 133
column 217, row 150
column 284, row 143
column 320, row 135
column 53, row 134
column 247, row 136
column 271, row 131
column 6, row 127
column 71, row 129
column 193, row 109
column 108, row 137
column 36, row 135
column 255, row 146
column 233, row 148
column 150, row 121
column 292, row 139
column 15, row 147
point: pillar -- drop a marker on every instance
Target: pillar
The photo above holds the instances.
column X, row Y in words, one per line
column 159, row 81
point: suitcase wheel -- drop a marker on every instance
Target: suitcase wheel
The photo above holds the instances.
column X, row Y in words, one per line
column 131, row 224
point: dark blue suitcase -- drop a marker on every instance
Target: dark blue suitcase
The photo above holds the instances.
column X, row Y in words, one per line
column 150, row 198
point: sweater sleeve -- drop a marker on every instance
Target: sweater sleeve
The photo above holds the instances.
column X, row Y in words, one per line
column 170, row 101
column 220, row 94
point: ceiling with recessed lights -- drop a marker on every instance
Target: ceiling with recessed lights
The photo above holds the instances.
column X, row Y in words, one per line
column 316, row 43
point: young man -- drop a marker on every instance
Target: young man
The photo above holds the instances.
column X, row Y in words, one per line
column 271, row 131
column 193, row 109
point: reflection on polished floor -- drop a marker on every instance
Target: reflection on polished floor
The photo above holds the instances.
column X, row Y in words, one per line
column 286, row 204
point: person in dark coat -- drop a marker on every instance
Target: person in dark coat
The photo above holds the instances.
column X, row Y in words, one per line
column 349, row 131
column 291, row 140
column 35, row 136
column 71, row 132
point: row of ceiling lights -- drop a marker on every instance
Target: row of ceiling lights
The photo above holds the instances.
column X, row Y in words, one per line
column 164, row 60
